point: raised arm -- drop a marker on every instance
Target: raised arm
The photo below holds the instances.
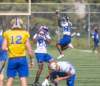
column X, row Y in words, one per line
column 34, row 38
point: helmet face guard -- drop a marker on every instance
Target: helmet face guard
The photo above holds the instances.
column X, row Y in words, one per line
column 44, row 28
column 63, row 19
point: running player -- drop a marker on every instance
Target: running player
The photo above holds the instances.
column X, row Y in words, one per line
column 3, row 58
column 61, row 70
column 42, row 38
column 16, row 42
column 65, row 41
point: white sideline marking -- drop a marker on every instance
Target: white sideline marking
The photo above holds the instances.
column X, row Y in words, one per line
column 87, row 51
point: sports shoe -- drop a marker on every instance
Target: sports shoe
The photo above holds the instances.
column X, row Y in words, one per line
column 59, row 57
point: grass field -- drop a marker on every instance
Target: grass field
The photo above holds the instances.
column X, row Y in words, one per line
column 87, row 66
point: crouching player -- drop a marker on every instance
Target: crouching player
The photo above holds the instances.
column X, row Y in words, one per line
column 3, row 58
column 42, row 38
column 61, row 71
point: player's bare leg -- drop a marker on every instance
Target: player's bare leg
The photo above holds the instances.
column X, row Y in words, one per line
column 1, row 73
column 23, row 81
column 39, row 71
column 10, row 81
column 1, row 79
column 95, row 48
column 64, row 47
column 31, row 64
column 70, row 46
column 59, row 47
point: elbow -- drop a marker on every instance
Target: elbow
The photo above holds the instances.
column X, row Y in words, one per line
column 4, row 48
column 48, row 41
column 34, row 41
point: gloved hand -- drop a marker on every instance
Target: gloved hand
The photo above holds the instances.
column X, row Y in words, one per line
column 45, row 82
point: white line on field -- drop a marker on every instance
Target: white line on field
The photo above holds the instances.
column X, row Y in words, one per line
column 87, row 51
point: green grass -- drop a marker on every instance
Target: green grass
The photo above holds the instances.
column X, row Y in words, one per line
column 87, row 65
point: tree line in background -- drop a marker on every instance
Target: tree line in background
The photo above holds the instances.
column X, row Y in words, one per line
column 50, row 19
column 52, row 1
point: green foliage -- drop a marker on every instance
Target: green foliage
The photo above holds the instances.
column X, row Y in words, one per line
column 93, row 1
column 57, row 1
column 42, row 21
column 50, row 1
column 20, row 1
column 44, row 7
column 82, row 43
column 17, row 1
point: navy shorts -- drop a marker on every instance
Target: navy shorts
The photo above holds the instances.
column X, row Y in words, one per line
column 65, row 40
column 18, row 66
column 69, row 82
column 43, row 57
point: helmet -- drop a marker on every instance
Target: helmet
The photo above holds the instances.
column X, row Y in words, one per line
column 16, row 22
column 44, row 29
column 63, row 19
column 53, row 65
column 67, row 18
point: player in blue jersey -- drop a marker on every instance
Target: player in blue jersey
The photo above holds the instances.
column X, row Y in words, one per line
column 3, row 58
column 42, row 39
column 61, row 70
column 65, row 41
column 96, row 39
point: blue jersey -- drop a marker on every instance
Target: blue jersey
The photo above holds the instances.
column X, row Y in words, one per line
column 3, row 54
column 96, row 39
column 96, row 36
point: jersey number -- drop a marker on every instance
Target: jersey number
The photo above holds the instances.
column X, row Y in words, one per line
column 16, row 39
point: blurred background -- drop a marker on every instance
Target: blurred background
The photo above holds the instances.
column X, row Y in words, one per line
column 84, row 15
column 52, row 1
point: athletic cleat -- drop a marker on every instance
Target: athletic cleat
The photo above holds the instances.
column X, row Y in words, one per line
column 59, row 57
